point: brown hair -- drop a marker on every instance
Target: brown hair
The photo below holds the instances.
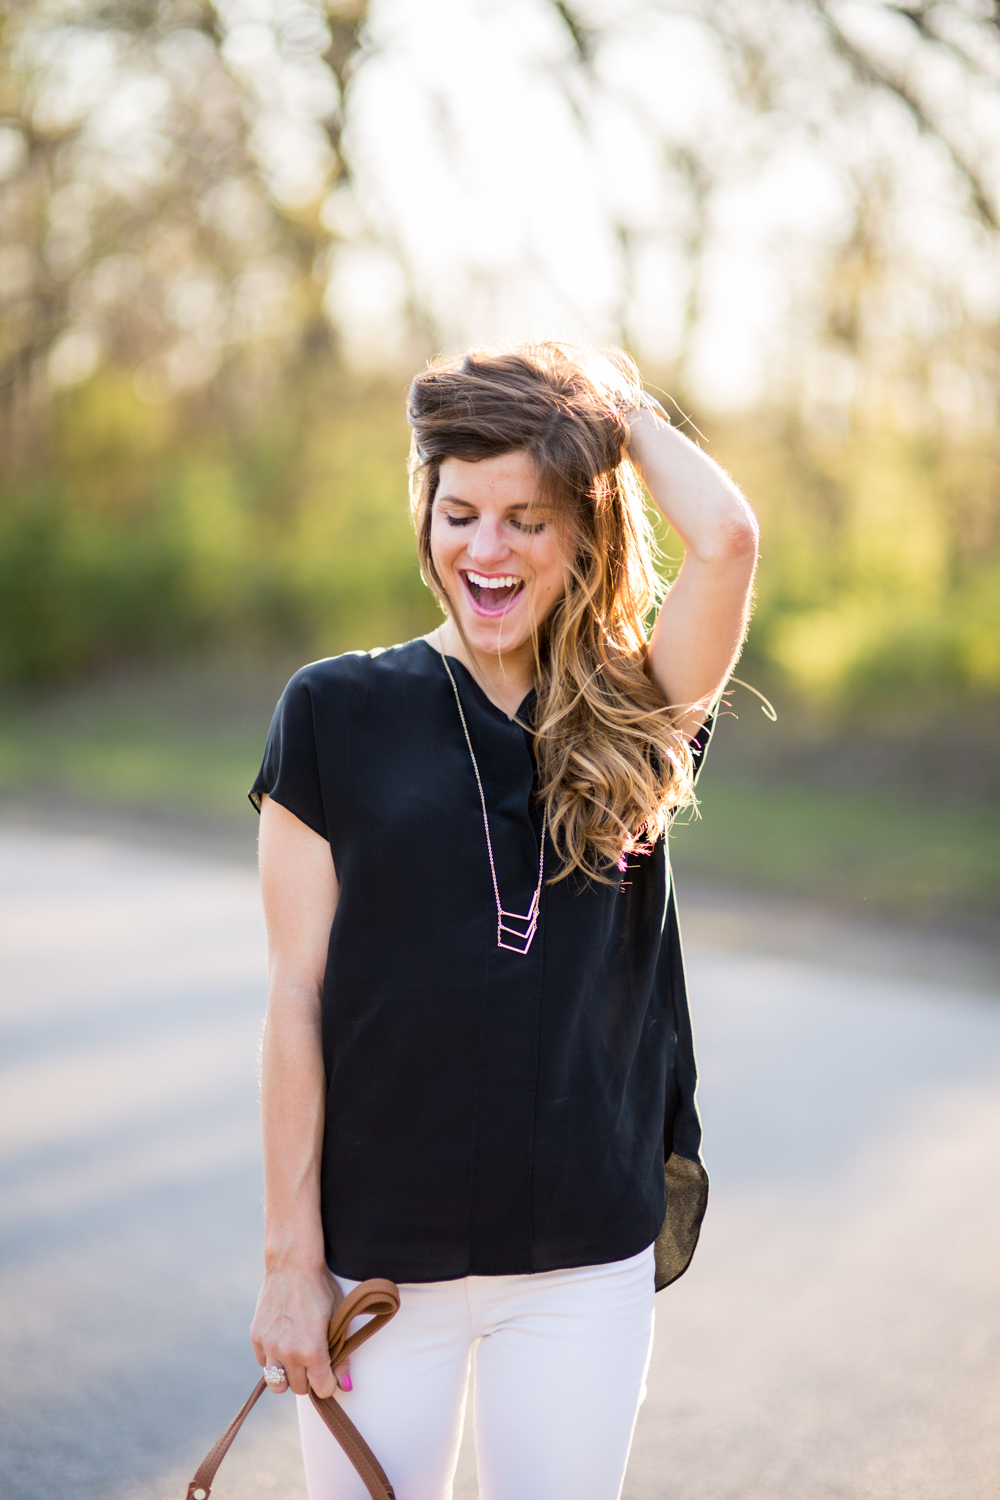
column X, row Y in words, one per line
column 612, row 767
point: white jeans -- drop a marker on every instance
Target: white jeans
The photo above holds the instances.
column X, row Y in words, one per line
column 560, row 1362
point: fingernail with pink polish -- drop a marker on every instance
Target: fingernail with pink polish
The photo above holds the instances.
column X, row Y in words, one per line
column 347, row 1383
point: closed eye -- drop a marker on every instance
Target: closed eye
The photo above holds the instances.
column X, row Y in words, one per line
column 465, row 518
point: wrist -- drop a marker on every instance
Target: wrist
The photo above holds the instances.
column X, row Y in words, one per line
column 287, row 1250
column 644, row 428
column 646, row 402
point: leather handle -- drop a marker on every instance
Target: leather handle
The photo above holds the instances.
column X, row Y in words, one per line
column 381, row 1299
column 373, row 1476
column 201, row 1485
column 378, row 1297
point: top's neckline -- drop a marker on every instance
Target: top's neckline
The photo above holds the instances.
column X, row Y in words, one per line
column 484, row 698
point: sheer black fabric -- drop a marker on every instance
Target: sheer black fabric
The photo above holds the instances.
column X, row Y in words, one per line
column 487, row 1112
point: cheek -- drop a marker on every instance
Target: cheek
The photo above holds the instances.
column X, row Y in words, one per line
column 441, row 551
column 551, row 573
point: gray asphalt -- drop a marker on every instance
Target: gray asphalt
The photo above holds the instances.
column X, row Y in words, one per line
column 837, row 1336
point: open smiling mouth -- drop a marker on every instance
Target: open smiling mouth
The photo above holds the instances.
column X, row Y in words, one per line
column 493, row 594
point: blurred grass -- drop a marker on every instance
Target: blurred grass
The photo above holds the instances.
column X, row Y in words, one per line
column 870, row 852
column 138, row 763
column 185, row 742
column 184, row 739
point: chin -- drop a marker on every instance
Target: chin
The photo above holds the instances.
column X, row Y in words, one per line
column 494, row 641
column 492, row 637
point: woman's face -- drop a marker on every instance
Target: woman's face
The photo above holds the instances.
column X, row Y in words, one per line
column 498, row 554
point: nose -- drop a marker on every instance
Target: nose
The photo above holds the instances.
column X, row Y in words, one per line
column 488, row 544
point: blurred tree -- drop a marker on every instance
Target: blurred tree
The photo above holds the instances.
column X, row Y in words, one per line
column 843, row 78
column 178, row 179
column 166, row 166
column 162, row 166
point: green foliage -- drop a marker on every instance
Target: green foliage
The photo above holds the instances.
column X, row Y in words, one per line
column 77, row 589
column 139, row 537
column 885, row 854
column 879, row 586
column 148, row 531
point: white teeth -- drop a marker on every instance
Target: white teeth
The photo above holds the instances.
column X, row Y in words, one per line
column 492, row 583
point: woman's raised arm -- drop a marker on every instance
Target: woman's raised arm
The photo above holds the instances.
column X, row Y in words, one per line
column 298, row 1296
column 700, row 628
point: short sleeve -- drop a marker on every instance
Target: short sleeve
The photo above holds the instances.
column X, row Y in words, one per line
column 699, row 743
column 289, row 771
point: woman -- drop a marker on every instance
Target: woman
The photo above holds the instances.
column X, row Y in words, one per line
column 477, row 1071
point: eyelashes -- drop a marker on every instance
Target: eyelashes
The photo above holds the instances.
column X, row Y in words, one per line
column 528, row 529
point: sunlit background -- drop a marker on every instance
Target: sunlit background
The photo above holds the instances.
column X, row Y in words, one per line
column 230, row 232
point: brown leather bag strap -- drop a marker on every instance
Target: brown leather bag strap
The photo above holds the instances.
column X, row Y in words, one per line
column 201, row 1485
column 381, row 1299
column 373, row 1476
column 378, row 1297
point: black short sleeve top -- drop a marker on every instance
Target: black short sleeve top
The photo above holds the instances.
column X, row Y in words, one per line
column 487, row 1112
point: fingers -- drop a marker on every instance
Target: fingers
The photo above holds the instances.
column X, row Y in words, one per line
column 273, row 1368
column 325, row 1381
column 296, row 1370
column 298, row 1379
column 301, row 1373
column 320, row 1379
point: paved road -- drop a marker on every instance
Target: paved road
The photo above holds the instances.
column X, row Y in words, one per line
column 838, row 1335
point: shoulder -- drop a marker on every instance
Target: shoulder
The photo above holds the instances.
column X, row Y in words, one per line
column 379, row 664
column 332, row 679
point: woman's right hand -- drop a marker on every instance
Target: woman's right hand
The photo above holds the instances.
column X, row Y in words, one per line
column 291, row 1325
column 299, row 1295
column 299, row 888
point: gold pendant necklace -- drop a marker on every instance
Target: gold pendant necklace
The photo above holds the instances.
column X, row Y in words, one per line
column 519, row 935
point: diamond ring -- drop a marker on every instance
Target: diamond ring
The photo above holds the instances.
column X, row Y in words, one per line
column 275, row 1375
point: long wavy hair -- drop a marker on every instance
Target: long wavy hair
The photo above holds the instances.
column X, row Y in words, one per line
column 612, row 766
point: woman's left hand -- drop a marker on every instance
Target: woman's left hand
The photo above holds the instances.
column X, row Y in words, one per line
column 700, row 628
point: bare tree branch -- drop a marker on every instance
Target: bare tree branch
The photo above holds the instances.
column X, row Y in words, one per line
column 586, row 39
column 873, row 73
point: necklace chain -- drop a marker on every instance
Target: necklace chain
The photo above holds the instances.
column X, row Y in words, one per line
column 520, row 935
